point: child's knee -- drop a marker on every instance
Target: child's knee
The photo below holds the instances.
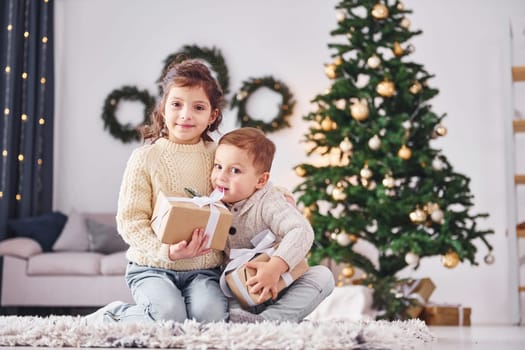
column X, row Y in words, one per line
column 170, row 310
column 212, row 311
column 323, row 277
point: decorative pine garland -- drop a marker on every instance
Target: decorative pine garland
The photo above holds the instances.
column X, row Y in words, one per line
column 285, row 108
column 213, row 56
column 126, row 133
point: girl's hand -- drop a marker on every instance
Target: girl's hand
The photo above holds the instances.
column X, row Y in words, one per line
column 196, row 247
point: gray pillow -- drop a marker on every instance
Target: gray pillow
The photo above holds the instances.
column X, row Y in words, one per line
column 104, row 238
column 74, row 236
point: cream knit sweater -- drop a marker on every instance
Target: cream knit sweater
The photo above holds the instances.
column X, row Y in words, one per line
column 168, row 167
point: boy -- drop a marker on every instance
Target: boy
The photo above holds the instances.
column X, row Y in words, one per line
column 241, row 170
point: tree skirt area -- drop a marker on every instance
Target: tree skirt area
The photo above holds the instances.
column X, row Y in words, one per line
column 70, row 331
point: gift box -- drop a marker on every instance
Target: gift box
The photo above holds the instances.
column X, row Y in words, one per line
column 446, row 315
column 175, row 217
column 419, row 290
column 237, row 278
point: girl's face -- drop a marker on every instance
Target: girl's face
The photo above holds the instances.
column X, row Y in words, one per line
column 187, row 114
column 235, row 175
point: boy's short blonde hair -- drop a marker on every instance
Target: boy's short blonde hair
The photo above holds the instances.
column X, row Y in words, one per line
column 255, row 143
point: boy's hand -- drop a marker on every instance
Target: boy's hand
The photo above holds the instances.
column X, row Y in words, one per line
column 196, row 247
column 266, row 278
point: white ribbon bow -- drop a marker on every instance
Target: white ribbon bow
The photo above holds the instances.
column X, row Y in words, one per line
column 213, row 200
column 263, row 243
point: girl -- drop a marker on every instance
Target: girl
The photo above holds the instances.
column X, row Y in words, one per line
column 178, row 281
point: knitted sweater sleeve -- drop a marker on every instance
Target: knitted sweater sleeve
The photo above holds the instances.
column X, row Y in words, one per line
column 293, row 230
column 135, row 208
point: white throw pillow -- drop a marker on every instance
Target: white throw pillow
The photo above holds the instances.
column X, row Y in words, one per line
column 74, row 236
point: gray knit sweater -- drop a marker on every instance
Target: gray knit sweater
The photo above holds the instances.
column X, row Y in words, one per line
column 268, row 209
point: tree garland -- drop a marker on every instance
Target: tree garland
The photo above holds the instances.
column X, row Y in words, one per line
column 126, row 133
column 213, row 56
column 285, row 108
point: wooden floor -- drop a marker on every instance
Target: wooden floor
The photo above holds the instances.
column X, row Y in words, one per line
column 478, row 338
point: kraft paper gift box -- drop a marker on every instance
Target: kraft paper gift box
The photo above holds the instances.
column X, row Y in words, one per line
column 235, row 275
column 176, row 217
column 446, row 315
column 420, row 290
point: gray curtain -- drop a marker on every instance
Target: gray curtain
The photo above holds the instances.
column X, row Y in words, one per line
column 26, row 109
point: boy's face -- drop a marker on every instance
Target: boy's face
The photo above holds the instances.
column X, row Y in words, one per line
column 235, row 175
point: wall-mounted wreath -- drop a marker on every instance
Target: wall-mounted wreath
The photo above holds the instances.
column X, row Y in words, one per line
column 212, row 56
column 126, row 133
column 285, row 108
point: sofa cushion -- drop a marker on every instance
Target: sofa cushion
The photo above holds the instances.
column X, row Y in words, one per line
column 65, row 263
column 44, row 229
column 104, row 238
column 21, row 247
column 114, row 264
column 74, row 236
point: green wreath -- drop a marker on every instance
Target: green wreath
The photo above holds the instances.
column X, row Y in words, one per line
column 213, row 56
column 126, row 133
column 285, row 108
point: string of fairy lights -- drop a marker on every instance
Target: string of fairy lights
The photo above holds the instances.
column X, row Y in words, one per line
column 27, row 114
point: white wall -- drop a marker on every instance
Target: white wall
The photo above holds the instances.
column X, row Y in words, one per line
column 104, row 44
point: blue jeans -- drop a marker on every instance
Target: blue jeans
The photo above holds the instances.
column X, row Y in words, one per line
column 299, row 299
column 162, row 294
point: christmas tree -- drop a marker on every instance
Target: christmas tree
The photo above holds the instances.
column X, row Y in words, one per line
column 372, row 172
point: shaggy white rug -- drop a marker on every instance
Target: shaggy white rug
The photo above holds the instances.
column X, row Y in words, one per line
column 69, row 331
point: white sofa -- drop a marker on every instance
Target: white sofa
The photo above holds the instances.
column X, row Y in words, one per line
column 31, row 277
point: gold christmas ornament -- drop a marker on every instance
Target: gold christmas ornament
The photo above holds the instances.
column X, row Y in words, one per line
column 307, row 213
column 450, row 260
column 418, row 216
column 359, row 109
column 405, row 23
column 300, row 171
column 386, row 88
column 326, row 124
column 366, row 173
column 338, row 61
column 380, row 11
column 441, row 130
column 373, row 61
column 329, row 70
column 346, row 145
column 404, row 153
column 339, row 194
column 397, row 49
column 388, row 181
column 348, row 271
column 400, row 6
column 415, row 88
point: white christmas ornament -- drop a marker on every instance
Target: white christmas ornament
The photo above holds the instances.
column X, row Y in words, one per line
column 374, row 143
column 411, row 258
column 437, row 164
column 345, row 145
column 330, row 189
column 341, row 103
column 343, row 239
column 437, row 216
column 340, row 15
column 406, row 124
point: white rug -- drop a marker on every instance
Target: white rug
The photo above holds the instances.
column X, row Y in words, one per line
column 69, row 331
